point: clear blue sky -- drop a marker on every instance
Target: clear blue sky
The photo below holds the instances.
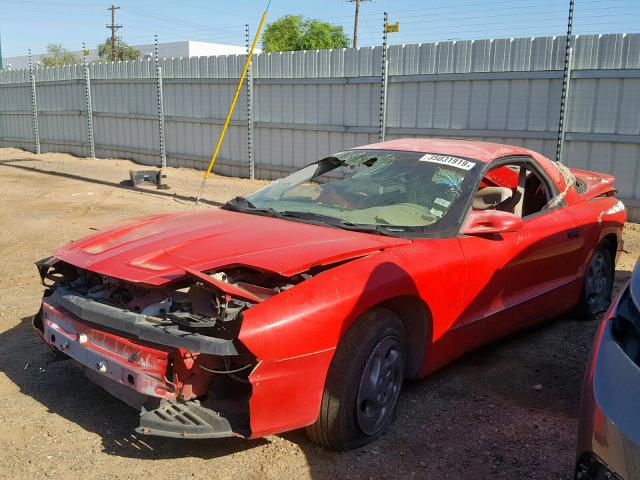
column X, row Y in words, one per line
column 32, row 24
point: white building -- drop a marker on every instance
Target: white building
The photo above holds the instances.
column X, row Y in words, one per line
column 187, row 48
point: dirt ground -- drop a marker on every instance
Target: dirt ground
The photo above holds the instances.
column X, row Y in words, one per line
column 478, row 418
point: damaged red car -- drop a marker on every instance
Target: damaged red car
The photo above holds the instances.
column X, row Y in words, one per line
column 309, row 302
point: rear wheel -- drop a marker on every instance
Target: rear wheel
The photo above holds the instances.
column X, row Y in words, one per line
column 363, row 383
column 598, row 284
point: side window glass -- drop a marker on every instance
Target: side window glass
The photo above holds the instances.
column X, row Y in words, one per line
column 514, row 188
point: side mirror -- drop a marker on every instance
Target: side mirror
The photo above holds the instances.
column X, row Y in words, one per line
column 487, row 222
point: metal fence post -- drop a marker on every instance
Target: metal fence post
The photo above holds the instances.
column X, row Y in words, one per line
column 34, row 106
column 89, row 112
column 565, row 110
column 252, row 174
column 384, row 82
column 565, row 85
column 163, row 153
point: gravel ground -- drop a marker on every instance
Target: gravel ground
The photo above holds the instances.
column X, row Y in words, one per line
column 480, row 417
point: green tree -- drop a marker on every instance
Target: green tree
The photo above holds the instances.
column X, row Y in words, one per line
column 318, row 35
column 123, row 51
column 293, row 32
column 58, row 55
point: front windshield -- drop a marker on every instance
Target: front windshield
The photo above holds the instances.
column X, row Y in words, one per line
column 397, row 190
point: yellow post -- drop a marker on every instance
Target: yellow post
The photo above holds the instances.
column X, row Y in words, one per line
column 233, row 104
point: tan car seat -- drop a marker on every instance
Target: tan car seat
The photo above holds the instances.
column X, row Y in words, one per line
column 488, row 198
column 502, row 198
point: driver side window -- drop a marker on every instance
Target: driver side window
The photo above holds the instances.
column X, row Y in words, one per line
column 516, row 187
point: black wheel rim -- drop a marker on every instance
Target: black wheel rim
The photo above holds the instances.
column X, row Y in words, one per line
column 379, row 386
column 597, row 286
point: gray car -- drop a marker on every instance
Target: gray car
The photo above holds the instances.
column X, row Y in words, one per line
column 609, row 434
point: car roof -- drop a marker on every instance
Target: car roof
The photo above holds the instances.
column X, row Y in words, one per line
column 483, row 151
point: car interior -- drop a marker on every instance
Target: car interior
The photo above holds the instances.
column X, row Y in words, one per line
column 516, row 188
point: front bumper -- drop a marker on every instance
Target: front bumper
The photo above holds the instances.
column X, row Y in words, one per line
column 136, row 374
column 118, row 359
column 134, row 371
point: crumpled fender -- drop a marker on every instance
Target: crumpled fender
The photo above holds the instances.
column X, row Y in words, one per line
column 286, row 394
column 294, row 334
column 312, row 316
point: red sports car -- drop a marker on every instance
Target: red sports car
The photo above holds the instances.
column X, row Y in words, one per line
column 308, row 303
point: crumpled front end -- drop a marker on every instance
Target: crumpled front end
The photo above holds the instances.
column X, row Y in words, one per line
column 171, row 351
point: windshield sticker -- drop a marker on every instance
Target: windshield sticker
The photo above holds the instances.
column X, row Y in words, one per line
column 442, row 202
column 436, row 212
column 450, row 161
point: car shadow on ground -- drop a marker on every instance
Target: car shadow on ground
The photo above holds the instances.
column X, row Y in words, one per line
column 507, row 392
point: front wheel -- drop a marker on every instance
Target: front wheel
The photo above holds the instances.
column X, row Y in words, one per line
column 363, row 383
column 598, row 284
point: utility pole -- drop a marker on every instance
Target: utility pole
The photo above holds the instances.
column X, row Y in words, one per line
column 355, row 25
column 355, row 21
column 113, row 27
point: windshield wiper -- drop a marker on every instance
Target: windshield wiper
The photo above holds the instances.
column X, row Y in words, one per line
column 391, row 230
column 241, row 204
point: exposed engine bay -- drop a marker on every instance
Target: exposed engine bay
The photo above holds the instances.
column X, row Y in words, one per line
column 200, row 301
column 171, row 351
column 208, row 304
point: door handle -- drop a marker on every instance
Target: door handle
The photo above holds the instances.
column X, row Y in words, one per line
column 573, row 233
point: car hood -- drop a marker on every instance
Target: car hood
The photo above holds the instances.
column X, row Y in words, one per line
column 156, row 249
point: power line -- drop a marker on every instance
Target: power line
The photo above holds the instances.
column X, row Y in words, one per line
column 452, row 7
column 28, row 3
column 174, row 20
column 454, row 20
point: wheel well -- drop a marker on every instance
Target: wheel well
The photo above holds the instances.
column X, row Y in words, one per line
column 416, row 318
column 610, row 242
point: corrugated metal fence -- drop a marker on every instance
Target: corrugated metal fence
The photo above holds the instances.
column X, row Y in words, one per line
column 311, row 103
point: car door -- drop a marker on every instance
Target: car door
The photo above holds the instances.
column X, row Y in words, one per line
column 518, row 278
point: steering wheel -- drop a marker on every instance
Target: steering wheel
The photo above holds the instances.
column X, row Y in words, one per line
column 329, row 195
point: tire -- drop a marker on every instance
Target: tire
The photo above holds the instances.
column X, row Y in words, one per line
column 598, row 284
column 363, row 383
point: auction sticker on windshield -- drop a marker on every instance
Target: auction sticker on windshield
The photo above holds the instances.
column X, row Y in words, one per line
column 446, row 160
